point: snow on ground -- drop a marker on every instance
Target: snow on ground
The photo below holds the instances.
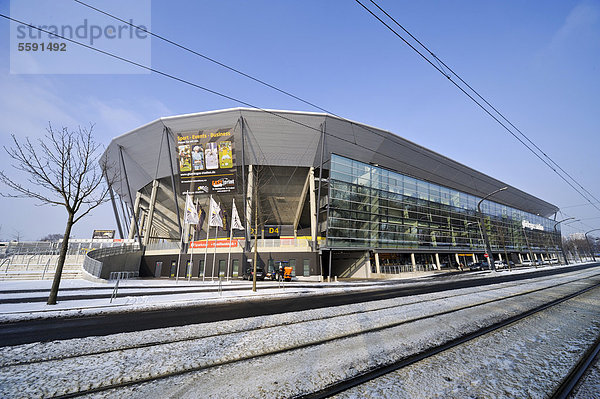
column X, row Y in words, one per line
column 590, row 388
column 527, row 359
column 205, row 292
column 233, row 290
column 281, row 375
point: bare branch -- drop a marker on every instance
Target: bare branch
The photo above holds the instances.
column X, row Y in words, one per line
column 62, row 170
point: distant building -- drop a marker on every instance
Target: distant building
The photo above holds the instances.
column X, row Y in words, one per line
column 329, row 191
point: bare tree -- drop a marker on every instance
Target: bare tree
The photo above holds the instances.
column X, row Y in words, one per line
column 62, row 170
column 52, row 237
column 17, row 235
column 261, row 179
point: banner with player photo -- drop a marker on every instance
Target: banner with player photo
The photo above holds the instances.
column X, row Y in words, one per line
column 206, row 161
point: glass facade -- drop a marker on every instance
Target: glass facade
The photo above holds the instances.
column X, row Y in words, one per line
column 372, row 207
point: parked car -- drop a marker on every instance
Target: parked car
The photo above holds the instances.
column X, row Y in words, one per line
column 247, row 275
column 479, row 266
column 527, row 263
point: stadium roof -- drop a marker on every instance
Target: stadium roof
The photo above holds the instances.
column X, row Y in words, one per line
column 292, row 138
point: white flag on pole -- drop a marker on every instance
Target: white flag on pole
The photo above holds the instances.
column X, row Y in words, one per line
column 191, row 215
column 236, row 223
column 214, row 217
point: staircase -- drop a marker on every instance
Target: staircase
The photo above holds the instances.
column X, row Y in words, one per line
column 39, row 266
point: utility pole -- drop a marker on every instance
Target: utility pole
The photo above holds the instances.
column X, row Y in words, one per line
column 488, row 247
column 589, row 245
column 255, row 235
column 560, row 242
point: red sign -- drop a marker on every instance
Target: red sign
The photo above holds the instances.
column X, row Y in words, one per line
column 486, row 255
column 211, row 244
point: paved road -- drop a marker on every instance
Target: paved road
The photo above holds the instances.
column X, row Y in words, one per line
column 23, row 332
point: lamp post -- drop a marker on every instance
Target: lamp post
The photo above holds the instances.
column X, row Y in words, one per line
column 561, row 246
column 488, row 247
column 533, row 261
column 588, row 242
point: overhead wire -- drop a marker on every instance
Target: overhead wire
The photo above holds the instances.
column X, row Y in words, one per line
column 250, row 77
column 548, row 162
column 480, row 96
column 231, row 98
column 216, row 92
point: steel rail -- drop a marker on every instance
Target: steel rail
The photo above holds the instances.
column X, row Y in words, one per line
column 354, row 381
column 386, row 369
column 290, row 323
column 571, row 381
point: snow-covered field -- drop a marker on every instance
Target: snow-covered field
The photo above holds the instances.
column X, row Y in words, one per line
column 292, row 354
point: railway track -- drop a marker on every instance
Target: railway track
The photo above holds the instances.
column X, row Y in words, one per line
column 381, row 317
column 576, row 376
column 38, row 356
column 563, row 391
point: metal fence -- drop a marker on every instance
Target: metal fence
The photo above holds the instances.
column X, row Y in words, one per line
column 76, row 247
column 123, row 275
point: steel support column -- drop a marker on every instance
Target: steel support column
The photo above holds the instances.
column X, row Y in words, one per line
column 137, row 231
column 148, row 229
column 166, row 130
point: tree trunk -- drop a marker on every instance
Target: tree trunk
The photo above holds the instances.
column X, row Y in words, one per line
column 255, row 238
column 61, row 261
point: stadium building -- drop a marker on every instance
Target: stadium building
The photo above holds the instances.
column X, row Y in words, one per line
column 331, row 196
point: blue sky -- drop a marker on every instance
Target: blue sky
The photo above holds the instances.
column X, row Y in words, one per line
column 536, row 61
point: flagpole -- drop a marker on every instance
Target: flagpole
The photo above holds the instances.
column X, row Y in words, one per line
column 205, row 252
column 230, row 238
column 215, row 253
column 206, row 245
column 180, row 249
column 192, row 244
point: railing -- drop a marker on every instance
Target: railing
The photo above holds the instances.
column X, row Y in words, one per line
column 104, row 252
column 161, row 246
column 7, row 261
column 283, row 242
column 76, row 247
column 262, row 243
column 94, row 262
column 92, row 266
column 123, row 275
column 397, row 269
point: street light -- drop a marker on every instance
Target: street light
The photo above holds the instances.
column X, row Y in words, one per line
column 488, row 247
column 588, row 242
column 561, row 246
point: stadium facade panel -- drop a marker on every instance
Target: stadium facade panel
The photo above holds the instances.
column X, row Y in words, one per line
column 328, row 195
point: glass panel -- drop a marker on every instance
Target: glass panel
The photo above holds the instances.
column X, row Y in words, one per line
column 374, row 207
column 236, row 267
column 201, row 268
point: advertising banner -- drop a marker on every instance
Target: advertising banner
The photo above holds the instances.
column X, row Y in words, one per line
column 211, row 244
column 206, row 161
column 103, row 234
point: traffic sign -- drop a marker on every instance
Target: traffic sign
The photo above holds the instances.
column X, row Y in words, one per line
column 486, row 255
